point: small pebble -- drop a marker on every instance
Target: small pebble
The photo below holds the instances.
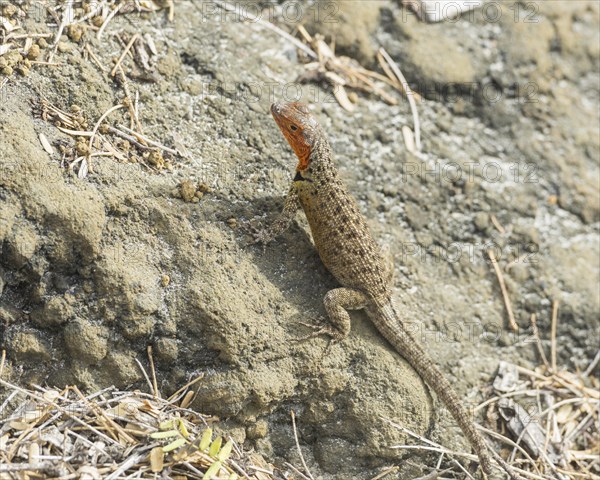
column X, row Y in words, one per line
column 257, row 430
column 64, row 47
column 75, row 32
column 156, row 159
column 82, row 148
column 520, row 272
column 13, row 58
column 482, row 221
column 34, row 52
column 204, row 188
column 187, row 190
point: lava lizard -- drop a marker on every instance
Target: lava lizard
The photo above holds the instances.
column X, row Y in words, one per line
column 347, row 249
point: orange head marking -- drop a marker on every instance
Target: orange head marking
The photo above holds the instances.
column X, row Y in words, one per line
column 298, row 127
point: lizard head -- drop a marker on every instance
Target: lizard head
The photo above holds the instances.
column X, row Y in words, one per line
column 299, row 128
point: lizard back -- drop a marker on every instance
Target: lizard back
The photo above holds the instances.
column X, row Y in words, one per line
column 339, row 229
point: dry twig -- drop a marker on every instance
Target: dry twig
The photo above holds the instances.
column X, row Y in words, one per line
column 125, row 52
column 408, row 92
column 69, row 426
column 507, row 304
column 263, row 23
column 538, row 340
column 553, row 334
column 298, row 445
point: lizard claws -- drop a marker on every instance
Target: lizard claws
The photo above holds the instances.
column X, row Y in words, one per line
column 320, row 329
column 259, row 235
column 333, row 335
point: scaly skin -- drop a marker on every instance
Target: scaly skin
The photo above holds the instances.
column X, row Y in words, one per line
column 349, row 252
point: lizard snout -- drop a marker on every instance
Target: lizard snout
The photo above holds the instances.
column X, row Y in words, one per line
column 276, row 108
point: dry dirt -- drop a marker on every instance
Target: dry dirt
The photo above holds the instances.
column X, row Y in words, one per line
column 94, row 270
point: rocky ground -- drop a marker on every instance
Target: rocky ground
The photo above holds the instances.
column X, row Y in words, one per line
column 95, row 269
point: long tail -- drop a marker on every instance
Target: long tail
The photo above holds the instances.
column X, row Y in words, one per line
column 393, row 329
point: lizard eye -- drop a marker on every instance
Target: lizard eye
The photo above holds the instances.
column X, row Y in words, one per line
column 293, row 127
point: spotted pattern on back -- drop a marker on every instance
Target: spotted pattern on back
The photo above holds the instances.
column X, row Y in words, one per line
column 339, row 230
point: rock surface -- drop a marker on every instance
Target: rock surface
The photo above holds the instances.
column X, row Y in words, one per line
column 95, row 270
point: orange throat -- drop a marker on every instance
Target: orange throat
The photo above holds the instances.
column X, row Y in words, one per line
column 303, row 161
column 302, row 151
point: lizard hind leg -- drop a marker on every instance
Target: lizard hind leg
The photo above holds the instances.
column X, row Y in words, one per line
column 337, row 302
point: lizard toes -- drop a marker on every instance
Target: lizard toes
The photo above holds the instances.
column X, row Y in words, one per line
column 320, row 329
column 257, row 235
column 316, row 326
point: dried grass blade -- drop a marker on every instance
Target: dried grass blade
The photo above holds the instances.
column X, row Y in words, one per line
column 259, row 21
column 553, row 335
column 505, row 297
column 298, row 445
column 409, row 95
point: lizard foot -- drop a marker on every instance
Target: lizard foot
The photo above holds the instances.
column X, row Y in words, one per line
column 333, row 335
column 257, row 234
column 321, row 329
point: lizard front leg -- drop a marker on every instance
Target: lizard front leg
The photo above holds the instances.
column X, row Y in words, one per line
column 283, row 221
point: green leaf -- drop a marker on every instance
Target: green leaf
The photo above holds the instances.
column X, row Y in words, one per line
column 176, row 444
column 215, row 446
column 225, row 451
column 214, row 468
column 205, row 440
column 170, row 433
